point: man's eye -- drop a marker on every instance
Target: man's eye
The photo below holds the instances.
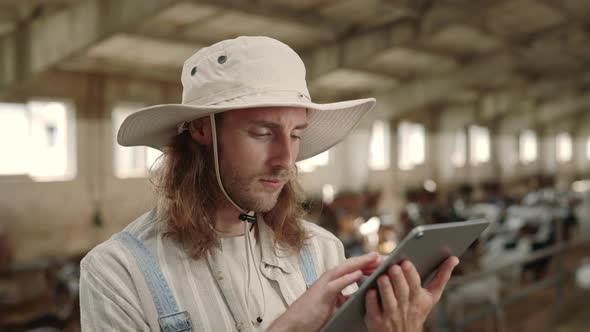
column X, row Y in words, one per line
column 296, row 137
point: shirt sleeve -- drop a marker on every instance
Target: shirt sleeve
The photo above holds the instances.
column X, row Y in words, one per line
column 330, row 251
column 107, row 302
column 341, row 258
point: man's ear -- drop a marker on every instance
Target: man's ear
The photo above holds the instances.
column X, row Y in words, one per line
column 200, row 130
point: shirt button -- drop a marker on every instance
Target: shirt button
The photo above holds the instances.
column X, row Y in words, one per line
column 219, row 275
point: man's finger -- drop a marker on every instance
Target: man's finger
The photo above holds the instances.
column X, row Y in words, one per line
column 373, row 310
column 388, row 300
column 400, row 285
column 437, row 285
column 336, row 286
column 350, row 265
column 371, row 267
column 412, row 277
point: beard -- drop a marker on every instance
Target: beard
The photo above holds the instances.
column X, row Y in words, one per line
column 247, row 191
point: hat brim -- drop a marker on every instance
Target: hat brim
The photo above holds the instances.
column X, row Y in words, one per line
column 328, row 124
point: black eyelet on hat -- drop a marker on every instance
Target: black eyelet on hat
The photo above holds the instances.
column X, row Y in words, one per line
column 221, row 59
column 193, row 71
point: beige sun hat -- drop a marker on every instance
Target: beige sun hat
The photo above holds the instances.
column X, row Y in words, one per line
column 245, row 72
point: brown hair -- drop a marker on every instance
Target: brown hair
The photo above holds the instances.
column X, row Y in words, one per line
column 188, row 195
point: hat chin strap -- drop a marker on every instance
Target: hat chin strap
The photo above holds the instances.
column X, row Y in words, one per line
column 244, row 216
column 218, row 173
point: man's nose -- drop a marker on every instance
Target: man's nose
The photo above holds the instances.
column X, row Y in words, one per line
column 283, row 152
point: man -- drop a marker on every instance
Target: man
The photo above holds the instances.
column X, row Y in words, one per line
column 226, row 248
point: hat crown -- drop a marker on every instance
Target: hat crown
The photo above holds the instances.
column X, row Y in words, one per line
column 239, row 67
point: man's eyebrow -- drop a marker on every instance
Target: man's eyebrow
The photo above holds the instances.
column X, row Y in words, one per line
column 274, row 125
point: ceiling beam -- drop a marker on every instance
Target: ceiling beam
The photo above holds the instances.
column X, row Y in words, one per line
column 541, row 104
column 422, row 92
column 563, row 9
column 266, row 10
column 281, row 13
column 49, row 40
column 354, row 52
column 547, row 114
column 357, row 50
column 572, row 122
column 553, row 111
column 8, row 12
column 121, row 69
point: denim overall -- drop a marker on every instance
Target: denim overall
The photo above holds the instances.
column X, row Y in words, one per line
column 170, row 317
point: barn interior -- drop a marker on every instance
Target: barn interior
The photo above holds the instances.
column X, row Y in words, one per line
column 481, row 113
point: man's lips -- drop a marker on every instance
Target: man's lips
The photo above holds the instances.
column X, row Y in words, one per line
column 273, row 183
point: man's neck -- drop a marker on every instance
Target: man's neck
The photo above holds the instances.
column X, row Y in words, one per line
column 227, row 222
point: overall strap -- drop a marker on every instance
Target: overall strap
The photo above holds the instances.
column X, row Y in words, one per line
column 307, row 266
column 169, row 317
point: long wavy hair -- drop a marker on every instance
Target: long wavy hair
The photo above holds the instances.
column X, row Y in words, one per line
column 188, row 196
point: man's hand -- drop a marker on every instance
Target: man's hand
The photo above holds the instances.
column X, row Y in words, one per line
column 311, row 311
column 404, row 303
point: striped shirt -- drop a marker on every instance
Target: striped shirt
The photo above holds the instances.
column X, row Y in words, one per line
column 114, row 295
column 263, row 296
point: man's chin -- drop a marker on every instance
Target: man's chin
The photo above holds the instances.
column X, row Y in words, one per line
column 265, row 207
column 262, row 205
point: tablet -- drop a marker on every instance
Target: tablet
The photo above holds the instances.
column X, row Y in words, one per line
column 426, row 247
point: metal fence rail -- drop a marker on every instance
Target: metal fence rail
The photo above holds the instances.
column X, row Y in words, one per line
column 556, row 280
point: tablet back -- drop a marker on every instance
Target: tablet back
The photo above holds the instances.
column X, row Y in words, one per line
column 426, row 247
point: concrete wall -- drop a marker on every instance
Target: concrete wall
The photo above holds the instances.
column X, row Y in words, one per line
column 57, row 218
column 563, row 170
column 47, row 219
column 581, row 143
column 459, row 118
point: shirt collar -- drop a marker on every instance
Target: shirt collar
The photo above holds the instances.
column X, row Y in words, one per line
column 271, row 255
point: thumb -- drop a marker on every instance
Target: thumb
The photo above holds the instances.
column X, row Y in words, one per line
column 443, row 274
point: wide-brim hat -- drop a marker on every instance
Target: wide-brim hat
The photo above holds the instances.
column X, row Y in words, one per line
column 243, row 73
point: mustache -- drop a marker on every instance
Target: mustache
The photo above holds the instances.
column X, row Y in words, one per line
column 279, row 174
